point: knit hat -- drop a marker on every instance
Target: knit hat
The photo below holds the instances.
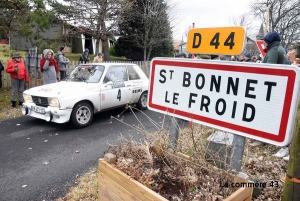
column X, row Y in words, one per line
column 16, row 55
column 86, row 50
column 271, row 37
column 99, row 53
column 248, row 55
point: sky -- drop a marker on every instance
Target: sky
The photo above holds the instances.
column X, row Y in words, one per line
column 208, row 13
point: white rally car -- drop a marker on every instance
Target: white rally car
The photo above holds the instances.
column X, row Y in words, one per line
column 88, row 89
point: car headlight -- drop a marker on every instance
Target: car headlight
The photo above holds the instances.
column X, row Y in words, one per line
column 27, row 98
column 53, row 102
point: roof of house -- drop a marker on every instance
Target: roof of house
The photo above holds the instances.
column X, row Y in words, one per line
column 178, row 43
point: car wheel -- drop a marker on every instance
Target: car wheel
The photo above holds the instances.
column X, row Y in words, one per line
column 82, row 115
column 142, row 104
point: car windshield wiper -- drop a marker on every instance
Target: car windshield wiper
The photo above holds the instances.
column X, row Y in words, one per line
column 81, row 79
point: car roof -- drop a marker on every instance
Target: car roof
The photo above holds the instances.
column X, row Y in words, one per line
column 108, row 64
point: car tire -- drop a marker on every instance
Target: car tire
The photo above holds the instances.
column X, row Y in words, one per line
column 82, row 115
column 142, row 103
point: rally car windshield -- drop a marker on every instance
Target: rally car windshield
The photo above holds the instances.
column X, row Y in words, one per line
column 89, row 74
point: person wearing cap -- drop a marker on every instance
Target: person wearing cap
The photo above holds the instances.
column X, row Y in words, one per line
column 18, row 74
column 98, row 58
column 247, row 57
column 276, row 53
column 49, row 67
column 84, row 57
column 62, row 62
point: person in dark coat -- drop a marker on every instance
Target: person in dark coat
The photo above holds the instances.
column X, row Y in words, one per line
column 84, row 57
column 1, row 69
column 276, row 53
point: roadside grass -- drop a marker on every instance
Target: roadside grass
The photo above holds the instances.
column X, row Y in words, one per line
column 86, row 188
column 6, row 111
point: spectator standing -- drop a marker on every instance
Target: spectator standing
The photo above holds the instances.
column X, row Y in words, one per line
column 18, row 74
column 254, row 59
column 296, row 62
column 259, row 59
column 276, row 53
column 49, row 67
column 247, row 57
column 62, row 62
column 291, row 56
column 284, row 151
column 98, row 58
column 1, row 69
column 241, row 58
column 84, row 57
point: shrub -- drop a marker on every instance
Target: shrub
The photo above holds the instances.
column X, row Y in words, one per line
column 112, row 51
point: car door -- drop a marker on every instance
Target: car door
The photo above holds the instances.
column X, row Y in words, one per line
column 115, row 90
column 136, row 82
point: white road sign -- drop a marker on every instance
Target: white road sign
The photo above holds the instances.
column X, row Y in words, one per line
column 249, row 99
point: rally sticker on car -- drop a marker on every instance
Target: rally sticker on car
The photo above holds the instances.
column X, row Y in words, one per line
column 137, row 83
column 45, row 89
column 118, row 84
column 137, row 90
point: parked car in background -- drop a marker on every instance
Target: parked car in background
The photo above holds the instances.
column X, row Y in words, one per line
column 88, row 89
column 182, row 54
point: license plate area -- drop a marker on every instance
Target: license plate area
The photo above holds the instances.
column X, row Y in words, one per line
column 39, row 110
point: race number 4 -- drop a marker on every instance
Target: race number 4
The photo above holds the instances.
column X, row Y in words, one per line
column 224, row 40
column 119, row 95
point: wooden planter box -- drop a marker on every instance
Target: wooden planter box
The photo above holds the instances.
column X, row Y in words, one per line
column 115, row 185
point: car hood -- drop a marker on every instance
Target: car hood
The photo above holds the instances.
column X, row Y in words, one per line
column 59, row 88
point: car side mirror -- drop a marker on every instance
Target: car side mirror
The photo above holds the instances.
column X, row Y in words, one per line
column 108, row 83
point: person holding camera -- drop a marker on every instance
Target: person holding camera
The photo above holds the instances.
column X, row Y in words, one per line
column 18, row 74
column 49, row 67
column 62, row 62
column 98, row 58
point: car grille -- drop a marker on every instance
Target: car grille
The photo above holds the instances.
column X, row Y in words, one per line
column 40, row 101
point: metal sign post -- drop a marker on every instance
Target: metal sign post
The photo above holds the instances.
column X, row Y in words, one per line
column 32, row 56
column 174, row 132
column 237, row 152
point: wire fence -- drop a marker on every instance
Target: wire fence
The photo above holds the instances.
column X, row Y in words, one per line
column 36, row 79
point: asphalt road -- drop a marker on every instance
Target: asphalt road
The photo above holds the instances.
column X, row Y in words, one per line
column 44, row 155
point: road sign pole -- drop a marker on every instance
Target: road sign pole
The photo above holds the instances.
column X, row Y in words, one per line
column 238, row 152
column 174, row 132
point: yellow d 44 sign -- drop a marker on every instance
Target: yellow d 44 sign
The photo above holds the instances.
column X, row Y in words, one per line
column 217, row 40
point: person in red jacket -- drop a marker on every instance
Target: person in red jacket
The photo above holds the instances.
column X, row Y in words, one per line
column 18, row 73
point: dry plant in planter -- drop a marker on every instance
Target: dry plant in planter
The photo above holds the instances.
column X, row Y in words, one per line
column 180, row 173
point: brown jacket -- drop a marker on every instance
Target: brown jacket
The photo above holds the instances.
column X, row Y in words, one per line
column 98, row 59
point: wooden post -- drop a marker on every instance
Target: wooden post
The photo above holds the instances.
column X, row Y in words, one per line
column 291, row 191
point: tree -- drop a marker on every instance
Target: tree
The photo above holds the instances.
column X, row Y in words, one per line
column 284, row 17
column 24, row 18
column 97, row 17
column 147, row 26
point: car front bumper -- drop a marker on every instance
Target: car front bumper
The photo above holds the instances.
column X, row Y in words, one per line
column 52, row 114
